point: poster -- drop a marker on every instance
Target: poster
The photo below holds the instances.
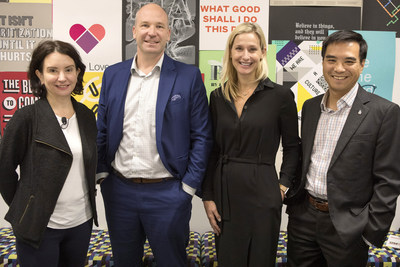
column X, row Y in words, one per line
column 219, row 17
column 382, row 15
column 22, row 26
column 15, row 93
column 94, row 29
column 310, row 23
column 183, row 21
column 378, row 74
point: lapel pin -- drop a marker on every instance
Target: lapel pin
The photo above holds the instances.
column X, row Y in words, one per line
column 359, row 112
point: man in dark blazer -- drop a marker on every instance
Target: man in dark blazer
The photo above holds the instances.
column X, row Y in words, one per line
column 153, row 143
column 346, row 197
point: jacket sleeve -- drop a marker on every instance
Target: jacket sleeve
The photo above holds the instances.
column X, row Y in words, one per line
column 208, row 183
column 288, row 121
column 13, row 147
column 386, row 176
column 200, row 135
column 102, row 128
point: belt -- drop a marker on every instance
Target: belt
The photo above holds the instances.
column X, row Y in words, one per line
column 321, row 205
column 222, row 197
column 140, row 180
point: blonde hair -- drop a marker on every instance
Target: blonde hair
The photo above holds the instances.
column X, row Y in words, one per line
column 229, row 78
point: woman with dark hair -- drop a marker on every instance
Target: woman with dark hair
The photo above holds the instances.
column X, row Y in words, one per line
column 53, row 142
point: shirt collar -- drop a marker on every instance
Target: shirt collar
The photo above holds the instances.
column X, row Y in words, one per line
column 346, row 100
column 135, row 69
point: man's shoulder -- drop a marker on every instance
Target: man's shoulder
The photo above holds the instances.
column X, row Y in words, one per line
column 179, row 66
column 126, row 64
column 373, row 100
column 314, row 100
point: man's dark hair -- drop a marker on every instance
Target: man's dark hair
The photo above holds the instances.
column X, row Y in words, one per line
column 345, row 36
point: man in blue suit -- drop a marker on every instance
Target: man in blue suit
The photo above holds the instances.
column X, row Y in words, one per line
column 153, row 143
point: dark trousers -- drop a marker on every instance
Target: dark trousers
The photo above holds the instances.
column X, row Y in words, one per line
column 59, row 248
column 158, row 211
column 313, row 241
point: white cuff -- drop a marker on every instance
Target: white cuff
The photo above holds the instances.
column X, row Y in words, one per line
column 188, row 189
column 101, row 175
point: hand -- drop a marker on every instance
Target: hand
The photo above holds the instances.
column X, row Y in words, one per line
column 283, row 190
column 213, row 215
column 282, row 194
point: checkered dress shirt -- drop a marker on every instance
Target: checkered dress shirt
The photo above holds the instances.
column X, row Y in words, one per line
column 329, row 128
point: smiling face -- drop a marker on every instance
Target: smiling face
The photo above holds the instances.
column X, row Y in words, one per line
column 342, row 66
column 151, row 30
column 246, row 54
column 59, row 75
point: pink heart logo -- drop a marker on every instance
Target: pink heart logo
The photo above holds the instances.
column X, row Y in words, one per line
column 87, row 39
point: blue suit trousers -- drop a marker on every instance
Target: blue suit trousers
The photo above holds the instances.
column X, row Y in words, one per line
column 159, row 212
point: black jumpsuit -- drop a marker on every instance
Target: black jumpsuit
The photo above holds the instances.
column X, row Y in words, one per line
column 241, row 176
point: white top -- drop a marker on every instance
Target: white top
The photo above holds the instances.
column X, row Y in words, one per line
column 73, row 204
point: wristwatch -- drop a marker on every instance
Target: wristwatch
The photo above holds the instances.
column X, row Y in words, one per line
column 284, row 189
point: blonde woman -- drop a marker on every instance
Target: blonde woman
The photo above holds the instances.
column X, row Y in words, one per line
column 243, row 194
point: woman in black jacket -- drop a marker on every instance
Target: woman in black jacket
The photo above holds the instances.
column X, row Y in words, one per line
column 52, row 197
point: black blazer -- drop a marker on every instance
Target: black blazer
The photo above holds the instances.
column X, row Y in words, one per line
column 363, row 179
column 34, row 141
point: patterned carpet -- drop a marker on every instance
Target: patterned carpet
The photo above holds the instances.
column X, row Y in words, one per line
column 201, row 251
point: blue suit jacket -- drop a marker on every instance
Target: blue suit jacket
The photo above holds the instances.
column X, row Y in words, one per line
column 183, row 127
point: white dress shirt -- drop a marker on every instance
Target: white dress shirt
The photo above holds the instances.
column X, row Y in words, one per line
column 137, row 154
